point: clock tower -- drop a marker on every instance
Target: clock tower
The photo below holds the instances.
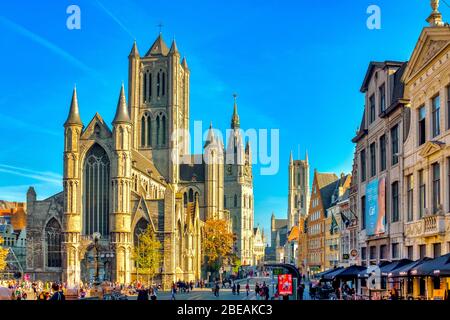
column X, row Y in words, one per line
column 238, row 197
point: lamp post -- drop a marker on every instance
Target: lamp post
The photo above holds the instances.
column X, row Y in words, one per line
column 96, row 237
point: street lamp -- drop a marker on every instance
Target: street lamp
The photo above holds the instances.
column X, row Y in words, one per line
column 96, row 237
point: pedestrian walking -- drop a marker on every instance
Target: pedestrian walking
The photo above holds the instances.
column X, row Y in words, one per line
column 301, row 289
column 247, row 288
column 174, row 291
column 238, row 288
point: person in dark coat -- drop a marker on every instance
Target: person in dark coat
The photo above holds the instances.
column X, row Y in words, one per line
column 57, row 294
column 238, row 288
column 301, row 289
column 142, row 294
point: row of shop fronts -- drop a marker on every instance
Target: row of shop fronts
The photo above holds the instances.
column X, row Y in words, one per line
column 405, row 279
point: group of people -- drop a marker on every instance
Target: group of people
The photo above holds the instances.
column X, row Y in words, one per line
column 262, row 291
column 145, row 294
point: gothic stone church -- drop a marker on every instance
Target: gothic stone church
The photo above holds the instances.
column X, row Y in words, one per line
column 119, row 180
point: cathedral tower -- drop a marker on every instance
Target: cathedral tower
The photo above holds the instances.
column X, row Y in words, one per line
column 159, row 105
column 121, row 181
column 239, row 189
column 72, row 191
column 214, row 159
column 298, row 190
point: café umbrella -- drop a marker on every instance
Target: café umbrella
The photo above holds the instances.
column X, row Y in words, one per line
column 405, row 270
column 436, row 267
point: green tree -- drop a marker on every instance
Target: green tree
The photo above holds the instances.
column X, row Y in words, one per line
column 147, row 254
column 3, row 255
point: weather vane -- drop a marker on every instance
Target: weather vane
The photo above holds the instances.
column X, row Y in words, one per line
column 235, row 96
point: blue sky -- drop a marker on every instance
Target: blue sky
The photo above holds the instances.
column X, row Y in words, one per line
column 296, row 65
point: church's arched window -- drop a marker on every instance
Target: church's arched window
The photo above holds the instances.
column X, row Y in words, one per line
column 53, row 238
column 163, row 130
column 301, row 201
column 163, row 83
column 296, row 202
column 235, row 200
column 185, row 199
column 140, row 228
column 191, row 195
column 96, row 196
column 149, row 131
column 158, row 83
column 150, row 85
column 158, row 138
column 143, row 143
column 69, row 139
column 122, row 138
column 144, row 87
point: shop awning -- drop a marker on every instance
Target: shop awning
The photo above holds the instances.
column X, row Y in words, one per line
column 436, row 267
column 388, row 268
column 404, row 271
column 330, row 276
column 350, row 272
column 321, row 274
column 364, row 274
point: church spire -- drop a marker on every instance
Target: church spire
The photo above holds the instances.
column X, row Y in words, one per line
column 74, row 113
column 184, row 64
column 134, row 50
column 173, row 48
column 235, row 124
column 211, row 138
column 158, row 47
column 122, row 109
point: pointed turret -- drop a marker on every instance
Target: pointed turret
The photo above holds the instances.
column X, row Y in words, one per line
column 235, row 124
column 174, row 48
column 291, row 159
column 247, row 147
column 74, row 113
column 134, row 50
column 211, row 136
column 122, row 109
column 184, row 63
column 306, row 156
column 158, row 47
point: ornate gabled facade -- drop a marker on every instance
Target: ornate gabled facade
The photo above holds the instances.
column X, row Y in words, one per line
column 426, row 150
column 118, row 180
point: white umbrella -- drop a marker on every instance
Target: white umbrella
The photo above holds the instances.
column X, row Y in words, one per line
column 5, row 293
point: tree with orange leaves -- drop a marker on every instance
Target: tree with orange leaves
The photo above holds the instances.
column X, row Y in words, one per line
column 217, row 243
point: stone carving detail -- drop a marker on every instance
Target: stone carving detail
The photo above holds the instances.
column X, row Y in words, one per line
column 430, row 50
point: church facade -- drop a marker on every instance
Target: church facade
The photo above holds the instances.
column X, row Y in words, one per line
column 119, row 180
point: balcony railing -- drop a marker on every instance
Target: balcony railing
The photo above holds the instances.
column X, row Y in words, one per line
column 433, row 224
